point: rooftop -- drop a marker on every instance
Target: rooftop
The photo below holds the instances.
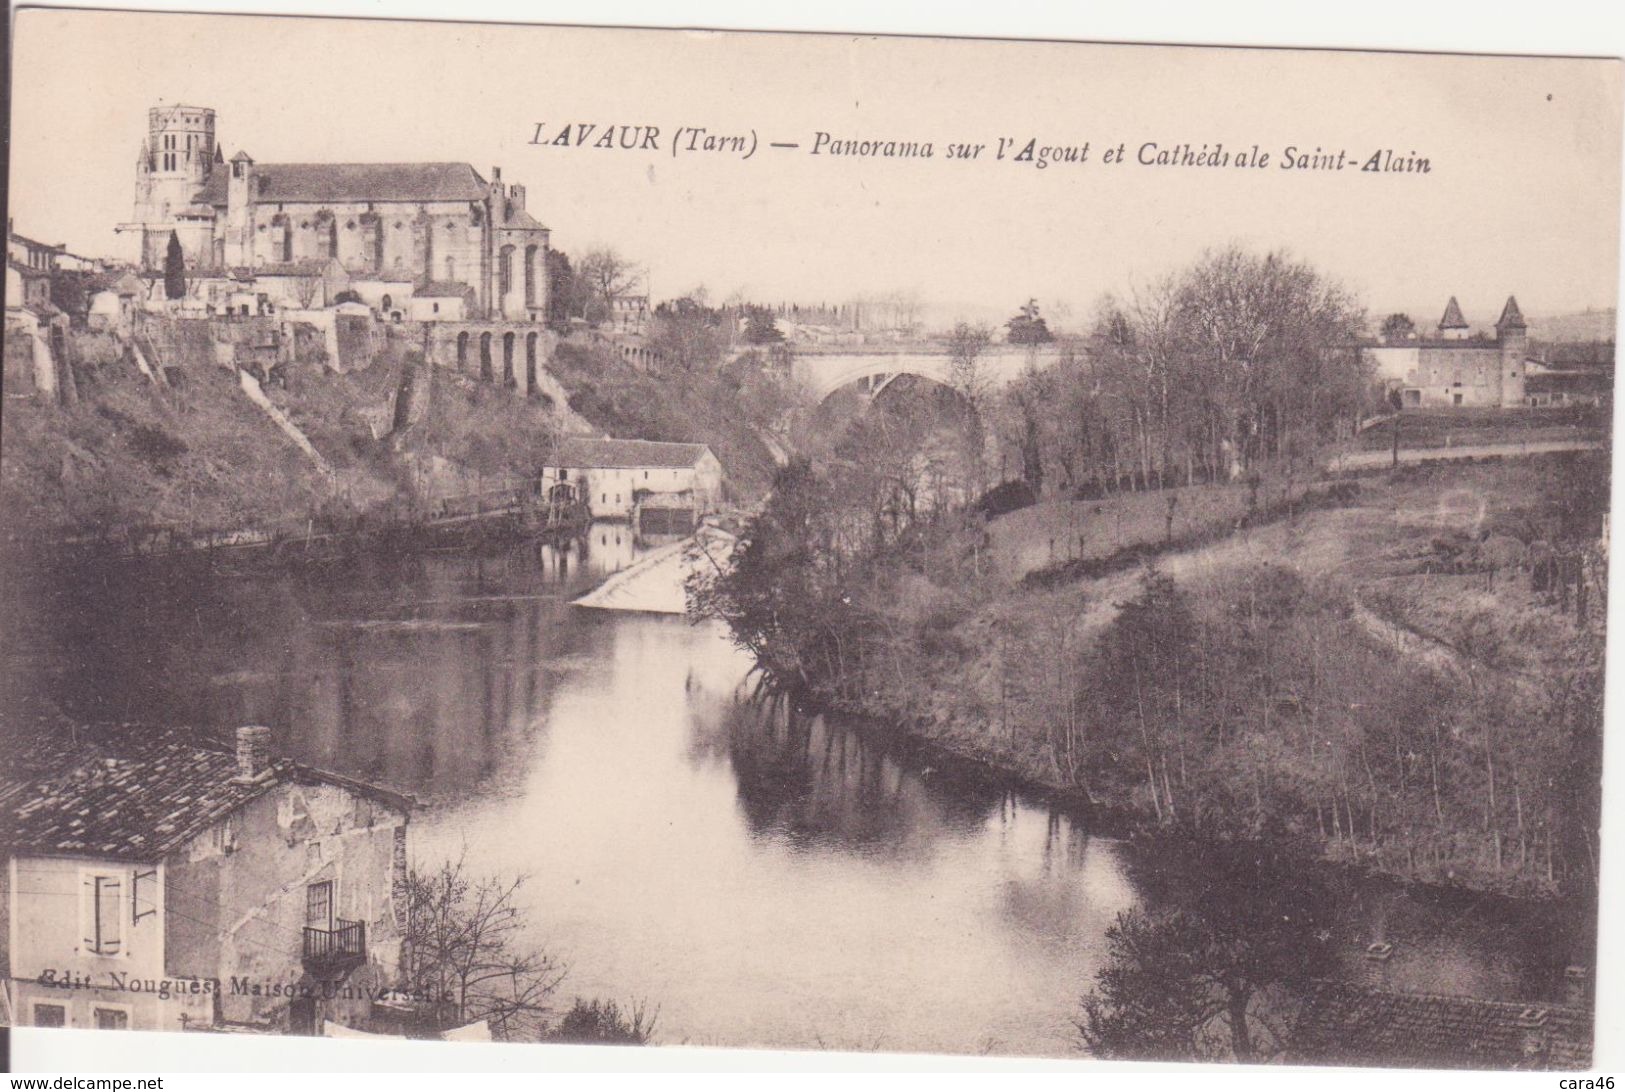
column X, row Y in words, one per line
column 577, row 451
column 131, row 792
column 1353, row 1025
column 338, row 182
column 1452, row 319
column 443, row 289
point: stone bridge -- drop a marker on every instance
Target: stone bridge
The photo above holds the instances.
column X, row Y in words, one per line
column 870, row 372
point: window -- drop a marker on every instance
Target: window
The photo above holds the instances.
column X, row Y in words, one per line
column 112, row 1019
column 104, row 920
column 505, row 271
column 50, row 1016
column 645, row 475
column 319, row 905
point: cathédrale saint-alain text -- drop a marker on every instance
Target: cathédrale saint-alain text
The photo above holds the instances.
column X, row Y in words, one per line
column 1027, row 150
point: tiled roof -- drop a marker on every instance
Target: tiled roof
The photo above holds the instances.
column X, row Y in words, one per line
column 35, row 244
column 576, row 451
column 335, row 182
column 517, row 219
column 1453, row 319
column 126, row 791
column 1351, row 1025
column 302, row 267
column 442, row 289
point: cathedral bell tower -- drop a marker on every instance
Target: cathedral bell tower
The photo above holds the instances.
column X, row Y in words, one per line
column 176, row 161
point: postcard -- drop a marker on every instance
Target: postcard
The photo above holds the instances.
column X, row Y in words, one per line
column 805, row 541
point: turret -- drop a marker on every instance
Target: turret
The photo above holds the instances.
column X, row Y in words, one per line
column 1453, row 326
column 1512, row 334
column 239, row 235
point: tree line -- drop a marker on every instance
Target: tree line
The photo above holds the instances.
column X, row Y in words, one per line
column 1240, row 360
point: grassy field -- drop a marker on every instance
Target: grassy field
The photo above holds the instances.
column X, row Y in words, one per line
column 1429, row 428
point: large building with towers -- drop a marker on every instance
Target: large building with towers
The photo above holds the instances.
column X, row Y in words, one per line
column 1455, row 367
column 412, row 223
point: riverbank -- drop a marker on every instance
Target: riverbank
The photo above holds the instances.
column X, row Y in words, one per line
column 1252, row 680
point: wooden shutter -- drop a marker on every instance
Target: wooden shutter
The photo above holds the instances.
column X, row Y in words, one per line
column 104, row 922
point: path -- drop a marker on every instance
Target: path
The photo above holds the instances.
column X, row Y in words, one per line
column 1369, row 460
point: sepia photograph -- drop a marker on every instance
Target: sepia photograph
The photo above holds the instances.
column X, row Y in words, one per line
column 805, row 541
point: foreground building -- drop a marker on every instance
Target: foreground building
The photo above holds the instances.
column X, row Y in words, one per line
column 156, row 881
column 1357, row 1025
column 405, row 224
column 1455, row 367
column 36, row 331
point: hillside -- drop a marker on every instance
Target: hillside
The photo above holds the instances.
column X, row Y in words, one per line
column 194, row 453
column 699, row 407
column 132, row 453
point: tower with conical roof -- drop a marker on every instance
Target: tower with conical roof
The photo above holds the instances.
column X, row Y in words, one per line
column 1512, row 334
column 1453, row 327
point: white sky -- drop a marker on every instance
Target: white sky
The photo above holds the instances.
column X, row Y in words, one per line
column 1523, row 198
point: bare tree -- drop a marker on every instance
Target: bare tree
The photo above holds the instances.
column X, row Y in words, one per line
column 605, row 275
column 465, row 947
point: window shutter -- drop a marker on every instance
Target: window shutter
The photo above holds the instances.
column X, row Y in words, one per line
column 143, row 894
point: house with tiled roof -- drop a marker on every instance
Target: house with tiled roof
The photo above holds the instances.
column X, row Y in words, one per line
column 1357, row 1025
column 402, row 223
column 663, row 488
column 1453, row 367
column 162, row 880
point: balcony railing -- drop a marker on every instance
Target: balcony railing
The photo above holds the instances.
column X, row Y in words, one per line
column 338, row 948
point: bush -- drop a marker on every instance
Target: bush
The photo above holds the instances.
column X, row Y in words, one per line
column 601, row 1023
column 1006, row 497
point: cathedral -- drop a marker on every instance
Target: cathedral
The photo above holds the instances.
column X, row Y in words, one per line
column 432, row 226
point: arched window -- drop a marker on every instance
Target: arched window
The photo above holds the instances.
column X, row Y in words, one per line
column 451, row 268
column 508, row 377
column 372, row 239
column 462, row 350
column 332, row 237
column 388, row 303
column 485, row 356
column 505, row 272
column 530, row 276
column 281, row 238
column 530, row 362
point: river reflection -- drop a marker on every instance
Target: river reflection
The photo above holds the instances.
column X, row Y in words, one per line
column 776, row 884
column 765, row 880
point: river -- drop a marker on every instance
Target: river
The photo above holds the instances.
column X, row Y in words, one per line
column 761, row 882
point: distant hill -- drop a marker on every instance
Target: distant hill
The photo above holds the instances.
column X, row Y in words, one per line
column 1580, row 326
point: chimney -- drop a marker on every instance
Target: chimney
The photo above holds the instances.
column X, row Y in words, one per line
column 253, row 753
column 496, row 174
column 1532, row 1029
column 1576, row 987
column 1374, row 973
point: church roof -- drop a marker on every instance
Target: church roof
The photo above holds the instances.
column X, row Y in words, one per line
column 1453, row 319
column 1511, row 317
column 336, row 182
